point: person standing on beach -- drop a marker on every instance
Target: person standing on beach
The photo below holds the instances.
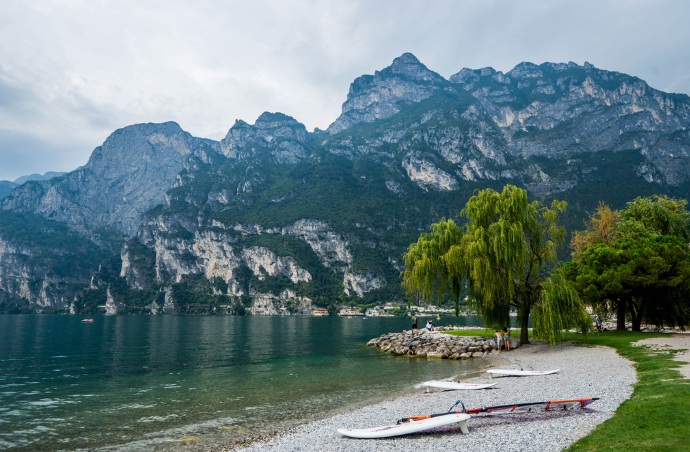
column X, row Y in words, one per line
column 506, row 338
column 499, row 339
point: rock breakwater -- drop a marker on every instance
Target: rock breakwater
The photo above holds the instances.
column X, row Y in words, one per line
column 436, row 345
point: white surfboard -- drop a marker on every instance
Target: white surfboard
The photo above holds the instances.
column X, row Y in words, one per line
column 452, row 385
column 408, row 427
column 520, row 373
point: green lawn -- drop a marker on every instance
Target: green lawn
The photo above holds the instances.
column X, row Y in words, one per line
column 486, row 332
column 657, row 416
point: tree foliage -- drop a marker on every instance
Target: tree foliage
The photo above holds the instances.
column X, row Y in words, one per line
column 601, row 228
column 559, row 309
column 643, row 271
column 434, row 265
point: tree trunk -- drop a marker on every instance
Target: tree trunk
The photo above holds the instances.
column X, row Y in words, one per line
column 456, row 297
column 620, row 315
column 524, row 322
column 635, row 315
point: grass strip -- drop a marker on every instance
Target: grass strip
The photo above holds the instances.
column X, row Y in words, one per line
column 473, row 332
column 657, row 415
column 483, row 332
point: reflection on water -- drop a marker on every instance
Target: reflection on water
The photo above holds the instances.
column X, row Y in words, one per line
column 146, row 382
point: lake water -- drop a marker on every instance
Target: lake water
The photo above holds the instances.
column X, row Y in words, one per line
column 144, row 382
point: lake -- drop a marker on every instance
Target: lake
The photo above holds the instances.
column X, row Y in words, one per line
column 148, row 382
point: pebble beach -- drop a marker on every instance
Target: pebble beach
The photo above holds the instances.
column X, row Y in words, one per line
column 584, row 372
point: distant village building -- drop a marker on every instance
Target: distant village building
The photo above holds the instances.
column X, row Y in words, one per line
column 431, row 309
column 372, row 312
column 377, row 311
column 350, row 311
column 320, row 312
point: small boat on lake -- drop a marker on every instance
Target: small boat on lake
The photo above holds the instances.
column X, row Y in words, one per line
column 87, row 320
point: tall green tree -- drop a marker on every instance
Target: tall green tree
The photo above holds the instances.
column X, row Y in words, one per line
column 596, row 284
column 644, row 271
column 511, row 250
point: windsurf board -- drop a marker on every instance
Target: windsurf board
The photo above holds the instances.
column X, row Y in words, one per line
column 520, row 373
column 410, row 426
column 452, row 385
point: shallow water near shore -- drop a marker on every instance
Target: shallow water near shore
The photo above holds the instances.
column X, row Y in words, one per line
column 142, row 383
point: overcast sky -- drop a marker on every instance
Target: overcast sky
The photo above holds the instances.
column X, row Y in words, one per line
column 74, row 71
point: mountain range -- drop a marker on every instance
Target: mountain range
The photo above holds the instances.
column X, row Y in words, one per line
column 274, row 219
column 7, row 186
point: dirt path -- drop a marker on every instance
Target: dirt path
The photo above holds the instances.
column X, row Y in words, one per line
column 672, row 342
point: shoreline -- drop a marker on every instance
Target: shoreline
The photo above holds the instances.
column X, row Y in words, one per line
column 584, row 372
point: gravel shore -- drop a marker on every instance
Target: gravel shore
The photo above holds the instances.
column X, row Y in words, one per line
column 584, row 372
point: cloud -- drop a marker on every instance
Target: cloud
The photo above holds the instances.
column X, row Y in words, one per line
column 74, row 71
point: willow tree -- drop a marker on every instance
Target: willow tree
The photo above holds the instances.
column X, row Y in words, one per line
column 510, row 249
column 434, row 264
column 559, row 309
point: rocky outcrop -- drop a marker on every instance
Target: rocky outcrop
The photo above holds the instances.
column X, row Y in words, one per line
column 425, row 174
column 220, row 253
column 112, row 306
column 285, row 304
column 427, row 344
column 358, row 285
column 169, row 307
column 15, row 272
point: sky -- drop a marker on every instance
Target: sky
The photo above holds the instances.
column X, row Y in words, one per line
column 74, row 71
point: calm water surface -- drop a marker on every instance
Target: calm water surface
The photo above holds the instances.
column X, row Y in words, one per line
column 142, row 383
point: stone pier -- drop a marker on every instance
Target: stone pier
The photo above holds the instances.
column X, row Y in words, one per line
column 436, row 345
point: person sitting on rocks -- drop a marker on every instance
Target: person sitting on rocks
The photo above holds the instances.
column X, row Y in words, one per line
column 429, row 325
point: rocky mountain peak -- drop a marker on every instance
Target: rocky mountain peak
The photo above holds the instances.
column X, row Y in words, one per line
column 525, row 70
column 379, row 96
column 469, row 77
column 140, row 141
column 127, row 175
column 407, row 65
column 280, row 134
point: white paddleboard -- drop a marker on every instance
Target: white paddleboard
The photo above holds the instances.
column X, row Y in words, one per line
column 406, row 428
column 452, row 385
column 521, row 373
